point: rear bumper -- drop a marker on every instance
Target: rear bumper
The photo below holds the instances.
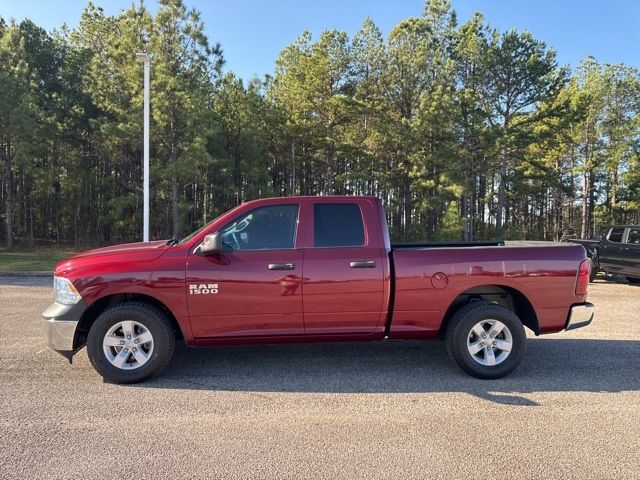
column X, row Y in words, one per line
column 60, row 323
column 580, row 315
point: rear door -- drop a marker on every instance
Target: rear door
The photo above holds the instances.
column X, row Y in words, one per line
column 343, row 269
column 631, row 252
column 610, row 250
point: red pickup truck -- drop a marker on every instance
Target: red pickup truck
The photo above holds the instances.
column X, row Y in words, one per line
column 312, row 269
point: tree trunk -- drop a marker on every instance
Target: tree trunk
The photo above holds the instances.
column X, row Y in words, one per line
column 592, row 203
column 406, row 197
column 204, row 201
column 9, row 200
column 613, row 196
column 174, row 185
column 31, row 239
column 467, row 209
column 293, row 167
column 75, row 225
column 585, row 205
column 501, row 194
column 329, row 182
column 174, row 206
column 558, row 224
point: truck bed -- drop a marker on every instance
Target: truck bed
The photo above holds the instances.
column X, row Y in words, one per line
column 589, row 244
column 585, row 241
column 483, row 243
column 428, row 280
column 445, row 244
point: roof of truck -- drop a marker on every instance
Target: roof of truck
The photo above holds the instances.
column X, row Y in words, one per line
column 318, row 196
column 313, row 197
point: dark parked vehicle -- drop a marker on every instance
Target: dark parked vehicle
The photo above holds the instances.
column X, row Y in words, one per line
column 617, row 251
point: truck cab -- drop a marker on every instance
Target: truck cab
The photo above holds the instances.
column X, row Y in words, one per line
column 330, row 248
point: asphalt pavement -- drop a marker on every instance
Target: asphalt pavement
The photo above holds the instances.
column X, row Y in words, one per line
column 384, row 410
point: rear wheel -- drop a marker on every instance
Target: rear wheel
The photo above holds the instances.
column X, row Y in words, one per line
column 130, row 342
column 633, row 280
column 486, row 340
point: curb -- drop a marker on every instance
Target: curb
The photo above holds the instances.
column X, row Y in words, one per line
column 9, row 273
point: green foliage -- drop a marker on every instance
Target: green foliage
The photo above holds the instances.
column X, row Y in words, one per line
column 38, row 260
column 464, row 131
column 452, row 224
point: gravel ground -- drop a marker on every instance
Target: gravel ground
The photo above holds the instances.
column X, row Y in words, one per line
column 384, row 410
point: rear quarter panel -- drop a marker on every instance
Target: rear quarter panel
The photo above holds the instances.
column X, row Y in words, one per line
column 545, row 274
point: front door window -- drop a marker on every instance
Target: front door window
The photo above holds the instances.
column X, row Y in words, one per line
column 264, row 228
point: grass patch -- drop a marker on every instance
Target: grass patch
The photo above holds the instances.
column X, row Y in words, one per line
column 38, row 259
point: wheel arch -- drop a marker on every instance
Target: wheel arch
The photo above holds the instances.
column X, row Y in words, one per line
column 103, row 303
column 504, row 295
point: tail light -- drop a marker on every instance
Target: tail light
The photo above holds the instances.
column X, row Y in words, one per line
column 582, row 281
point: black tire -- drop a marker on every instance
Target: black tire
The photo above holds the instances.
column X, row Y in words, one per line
column 153, row 319
column 460, row 328
column 633, row 280
column 593, row 272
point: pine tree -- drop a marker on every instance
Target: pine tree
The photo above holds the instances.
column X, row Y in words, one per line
column 17, row 117
column 524, row 72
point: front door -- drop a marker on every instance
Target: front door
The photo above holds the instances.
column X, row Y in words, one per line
column 343, row 272
column 631, row 252
column 253, row 287
column 610, row 250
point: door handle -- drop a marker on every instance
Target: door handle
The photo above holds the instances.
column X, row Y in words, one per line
column 282, row 266
column 363, row 264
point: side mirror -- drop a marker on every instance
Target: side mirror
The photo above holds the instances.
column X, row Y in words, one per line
column 212, row 243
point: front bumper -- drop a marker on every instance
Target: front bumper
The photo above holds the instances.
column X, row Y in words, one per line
column 60, row 324
column 580, row 315
column 60, row 334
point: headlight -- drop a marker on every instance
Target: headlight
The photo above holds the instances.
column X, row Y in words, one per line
column 64, row 291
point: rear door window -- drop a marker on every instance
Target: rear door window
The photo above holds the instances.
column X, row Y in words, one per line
column 615, row 235
column 337, row 225
column 634, row 236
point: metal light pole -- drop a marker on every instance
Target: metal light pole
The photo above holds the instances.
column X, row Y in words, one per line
column 146, row 61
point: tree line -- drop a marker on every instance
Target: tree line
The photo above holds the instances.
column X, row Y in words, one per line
column 464, row 131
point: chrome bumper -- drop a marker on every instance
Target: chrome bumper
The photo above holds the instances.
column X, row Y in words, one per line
column 60, row 323
column 60, row 333
column 580, row 316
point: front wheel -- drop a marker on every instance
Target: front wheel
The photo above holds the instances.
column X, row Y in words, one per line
column 486, row 340
column 130, row 342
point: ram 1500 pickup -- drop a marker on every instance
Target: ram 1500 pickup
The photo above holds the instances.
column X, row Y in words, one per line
column 312, row 269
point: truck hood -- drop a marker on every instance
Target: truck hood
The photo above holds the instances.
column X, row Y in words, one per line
column 128, row 252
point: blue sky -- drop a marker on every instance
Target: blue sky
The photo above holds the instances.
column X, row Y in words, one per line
column 253, row 33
